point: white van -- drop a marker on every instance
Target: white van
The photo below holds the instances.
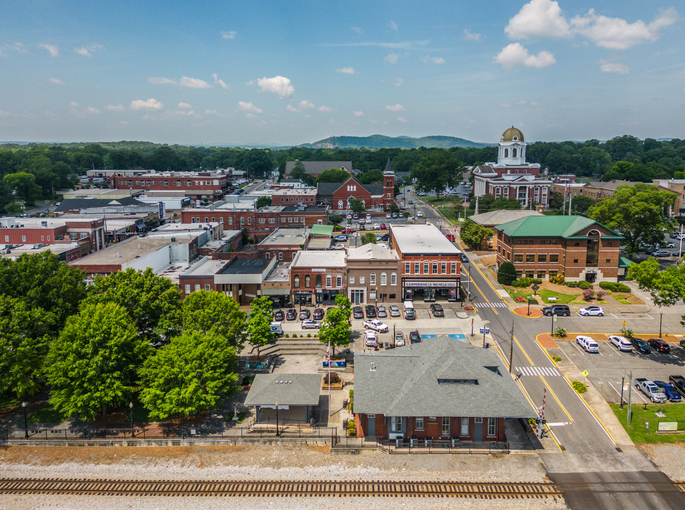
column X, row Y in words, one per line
column 587, row 343
column 409, row 312
column 276, row 328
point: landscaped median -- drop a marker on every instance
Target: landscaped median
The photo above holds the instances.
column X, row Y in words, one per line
column 646, row 413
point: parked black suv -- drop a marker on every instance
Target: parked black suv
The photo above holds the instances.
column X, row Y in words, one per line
column 370, row 312
column 291, row 315
column 318, row 314
column 279, row 315
column 557, row 310
column 414, row 337
column 437, row 310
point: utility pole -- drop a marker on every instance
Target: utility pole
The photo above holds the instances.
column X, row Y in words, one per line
column 630, row 393
column 511, row 351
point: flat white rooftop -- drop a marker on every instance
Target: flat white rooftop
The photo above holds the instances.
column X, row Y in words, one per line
column 422, row 240
column 286, row 236
column 306, row 258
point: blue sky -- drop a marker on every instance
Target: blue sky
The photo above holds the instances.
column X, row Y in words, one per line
column 290, row 72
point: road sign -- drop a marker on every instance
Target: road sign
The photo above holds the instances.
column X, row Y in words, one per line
column 585, row 373
column 625, row 386
column 624, row 324
column 554, row 318
column 535, row 288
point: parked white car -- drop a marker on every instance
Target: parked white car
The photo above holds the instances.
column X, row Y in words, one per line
column 395, row 311
column 310, row 324
column 597, row 311
column 621, row 343
column 370, row 339
column 376, row 325
column 587, row 343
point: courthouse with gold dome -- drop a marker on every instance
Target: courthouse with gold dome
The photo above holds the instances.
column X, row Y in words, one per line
column 511, row 176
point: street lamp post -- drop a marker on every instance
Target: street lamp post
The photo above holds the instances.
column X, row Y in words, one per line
column 528, row 305
column 661, row 318
column 130, row 404
column 26, row 421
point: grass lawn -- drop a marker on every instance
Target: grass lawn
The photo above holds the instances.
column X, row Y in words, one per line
column 241, row 417
column 637, row 429
column 542, row 293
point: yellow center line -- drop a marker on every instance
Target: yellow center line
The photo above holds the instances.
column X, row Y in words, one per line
column 481, row 292
column 524, row 352
column 551, row 391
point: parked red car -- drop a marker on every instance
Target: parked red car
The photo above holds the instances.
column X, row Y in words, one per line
column 659, row 345
column 349, row 230
column 450, row 237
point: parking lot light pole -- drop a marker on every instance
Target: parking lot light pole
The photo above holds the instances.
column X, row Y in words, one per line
column 552, row 330
column 130, row 404
column 661, row 318
column 623, row 378
column 528, row 305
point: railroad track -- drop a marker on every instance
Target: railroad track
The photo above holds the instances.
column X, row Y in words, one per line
column 278, row 488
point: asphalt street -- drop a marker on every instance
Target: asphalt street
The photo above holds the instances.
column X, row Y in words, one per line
column 576, row 430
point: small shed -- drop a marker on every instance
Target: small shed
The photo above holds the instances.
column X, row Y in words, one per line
column 293, row 396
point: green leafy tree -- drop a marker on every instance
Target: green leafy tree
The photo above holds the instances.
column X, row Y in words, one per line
column 299, row 172
column 666, row 287
column 24, row 186
column 24, row 342
column 371, row 177
column 357, row 205
column 393, row 207
column 259, row 322
column 473, row 234
column 92, row 365
column 42, row 281
column 506, row 273
column 5, row 196
column 188, row 376
column 336, row 326
column 368, row 238
column 437, row 171
column 333, row 175
column 212, row 313
column 152, row 302
column 638, row 212
column 263, row 201
column 335, row 219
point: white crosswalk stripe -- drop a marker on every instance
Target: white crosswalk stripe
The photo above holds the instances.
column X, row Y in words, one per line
column 480, row 304
column 543, row 371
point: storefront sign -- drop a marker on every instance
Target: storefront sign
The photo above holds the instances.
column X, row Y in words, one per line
column 430, row 284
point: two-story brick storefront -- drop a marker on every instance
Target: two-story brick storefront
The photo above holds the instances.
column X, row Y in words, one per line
column 194, row 184
column 574, row 246
column 317, row 276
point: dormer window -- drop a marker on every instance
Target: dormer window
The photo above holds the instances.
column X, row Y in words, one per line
column 516, row 138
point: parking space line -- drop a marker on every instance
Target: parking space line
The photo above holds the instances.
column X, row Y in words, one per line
column 639, row 394
column 574, row 344
column 619, row 393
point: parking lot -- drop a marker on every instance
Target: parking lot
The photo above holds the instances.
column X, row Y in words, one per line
column 606, row 368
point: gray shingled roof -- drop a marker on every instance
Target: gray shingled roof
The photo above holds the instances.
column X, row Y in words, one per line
column 405, row 382
column 285, row 390
column 71, row 204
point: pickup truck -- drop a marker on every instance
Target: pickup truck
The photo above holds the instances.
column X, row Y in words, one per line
column 650, row 389
column 679, row 382
column 376, row 325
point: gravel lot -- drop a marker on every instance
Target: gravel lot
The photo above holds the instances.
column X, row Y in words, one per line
column 669, row 458
column 264, row 463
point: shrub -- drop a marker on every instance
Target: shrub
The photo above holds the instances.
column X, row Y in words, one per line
column 614, row 286
column 588, row 294
column 309, row 335
column 248, row 379
column 556, row 359
column 557, row 278
column 579, row 386
column 536, row 281
column 560, row 332
column 571, row 285
column 350, row 428
column 334, row 378
column 584, row 285
column 351, row 393
column 506, row 273
column 522, row 282
column 286, row 336
column 601, row 294
column 626, row 332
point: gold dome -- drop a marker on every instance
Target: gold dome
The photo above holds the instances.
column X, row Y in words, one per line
column 512, row 135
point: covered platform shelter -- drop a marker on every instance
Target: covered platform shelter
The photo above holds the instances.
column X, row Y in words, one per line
column 284, row 399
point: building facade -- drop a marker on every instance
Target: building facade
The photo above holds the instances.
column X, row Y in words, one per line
column 373, row 275
column 573, row 246
column 194, row 184
column 316, row 277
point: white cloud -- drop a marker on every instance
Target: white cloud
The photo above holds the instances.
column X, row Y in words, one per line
column 211, row 112
column 250, row 116
column 346, row 70
column 504, row 105
column 115, row 108
column 538, row 19
column 307, row 105
column 219, row 82
column 185, row 106
column 194, row 83
column 82, row 112
column 521, row 102
column 90, row 110
column 433, row 60
column 86, row 51
column 613, row 67
column 4, row 113
column 533, row 103
column 358, row 113
column 471, row 36
column 73, row 104
column 395, row 108
column 358, row 30
column 323, row 108
column 56, row 81
column 617, row 33
column 278, row 85
column 185, row 113
column 291, row 108
column 392, row 58
column 228, row 35
column 147, row 116
column 150, row 104
column 515, row 55
column 54, row 50
column 157, row 80
column 398, row 82
column 394, row 26
column 402, row 119
column 18, row 47
column 248, row 107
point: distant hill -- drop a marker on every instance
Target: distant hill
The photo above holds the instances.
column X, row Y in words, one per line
column 402, row 142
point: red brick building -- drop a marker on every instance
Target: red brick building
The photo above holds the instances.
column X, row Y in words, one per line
column 90, row 233
column 195, row 184
column 317, row 276
column 294, row 196
column 374, row 196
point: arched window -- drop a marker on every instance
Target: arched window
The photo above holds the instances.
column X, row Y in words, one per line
column 328, row 280
column 318, row 281
column 393, row 279
column 384, row 279
column 297, row 281
column 372, row 279
column 340, row 204
column 338, row 281
column 506, row 153
column 513, row 153
column 307, row 281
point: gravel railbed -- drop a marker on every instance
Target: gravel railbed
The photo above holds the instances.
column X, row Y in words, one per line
column 669, row 458
column 262, row 463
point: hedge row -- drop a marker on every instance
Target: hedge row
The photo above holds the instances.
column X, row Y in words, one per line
column 614, row 286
